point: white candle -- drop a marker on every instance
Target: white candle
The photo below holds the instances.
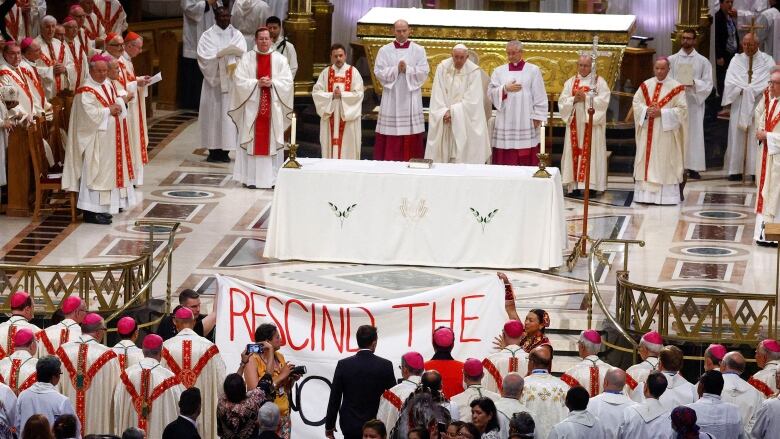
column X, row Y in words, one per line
column 292, row 130
column 542, row 141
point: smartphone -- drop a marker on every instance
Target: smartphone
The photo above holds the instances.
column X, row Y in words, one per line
column 254, row 348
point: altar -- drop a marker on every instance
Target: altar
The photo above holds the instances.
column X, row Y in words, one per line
column 452, row 215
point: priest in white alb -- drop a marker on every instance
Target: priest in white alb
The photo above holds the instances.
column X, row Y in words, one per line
column 609, row 405
column 517, row 91
column 24, row 17
column 73, row 310
column 738, row 391
column 78, row 52
column 18, row 370
column 650, row 418
column 56, row 68
column 248, row 15
column 580, row 423
column 148, row 394
column 661, row 121
column 401, row 68
column 743, row 96
column 579, row 93
column 338, row 99
column 457, row 128
column 22, row 311
column 260, row 105
column 511, row 358
column 544, row 394
column 590, row 372
column 650, row 346
column 767, row 116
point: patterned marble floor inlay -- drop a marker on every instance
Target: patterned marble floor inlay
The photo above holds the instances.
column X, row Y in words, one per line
column 172, row 211
column 188, row 194
column 129, row 247
column 714, row 232
column 726, row 199
column 244, row 252
column 709, row 251
column 200, row 179
column 402, row 279
column 703, row 270
column 720, row 214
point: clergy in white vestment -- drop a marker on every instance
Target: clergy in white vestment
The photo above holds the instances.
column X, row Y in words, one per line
column 7, row 412
column 679, row 391
column 56, row 66
column 401, row 67
column 650, row 346
column 147, row 397
column 511, row 358
column 12, row 75
column 23, row 20
column 111, row 15
column 579, row 93
column 473, row 372
column 713, row 355
column 281, row 44
column 91, row 374
column 31, row 66
column 247, row 16
column 767, row 32
column 197, row 363
column 660, row 144
column 78, row 51
column 137, row 86
column 22, row 311
column 580, row 423
column 412, row 367
column 91, row 32
column 73, row 310
column 768, row 360
column 590, row 372
column 42, row 398
column 126, row 350
column 544, row 394
column 694, row 71
column 737, row 391
column 197, row 16
column 767, row 116
column 650, row 418
column 714, row 414
column 517, row 92
column 509, row 404
column 338, row 99
column 743, row 97
column 97, row 154
column 767, row 422
column 457, row 128
column 18, row 370
column 609, row 405
column 219, row 50
column 260, row 104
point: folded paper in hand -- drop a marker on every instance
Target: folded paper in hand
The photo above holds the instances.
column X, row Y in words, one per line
column 155, row 79
column 230, row 50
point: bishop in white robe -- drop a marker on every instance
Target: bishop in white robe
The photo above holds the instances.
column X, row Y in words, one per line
column 219, row 50
column 90, row 29
column 338, row 99
column 457, row 128
column 401, row 68
column 412, row 366
column 660, row 144
column 137, row 87
column 111, row 15
column 473, row 372
column 247, row 16
column 24, row 18
column 743, row 97
column 56, row 66
column 517, row 92
column 261, row 100
column 591, row 371
column 73, row 310
column 511, row 358
column 31, row 66
column 768, row 359
column 22, row 310
column 126, row 350
column 767, row 116
column 18, row 370
column 650, row 346
column 12, row 75
column 693, row 71
column 79, row 52
column 579, row 92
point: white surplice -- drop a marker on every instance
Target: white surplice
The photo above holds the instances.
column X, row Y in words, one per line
column 579, row 424
column 197, row 362
column 7, row 330
column 768, row 166
column 516, row 112
column 472, row 392
column 18, row 371
column 197, row 16
column 284, row 47
column 128, row 353
column 465, row 138
column 44, row 399
column 393, row 399
column 7, row 408
column 647, row 420
column 132, row 400
column 637, row 374
column 609, row 408
column 401, row 111
column 52, row 52
column 573, row 171
column 506, row 408
column 582, row 374
column 247, row 16
column 767, row 420
column 717, row 417
column 251, row 169
column 678, row 391
column 764, row 379
column 339, row 143
column 545, row 395
column 738, row 392
column 112, row 15
column 695, row 95
column 743, row 98
column 767, row 33
column 97, row 377
column 657, row 176
column 512, row 358
column 51, row 338
column 217, row 131
column 138, row 132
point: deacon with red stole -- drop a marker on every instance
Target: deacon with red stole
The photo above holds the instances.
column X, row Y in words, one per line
column 73, row 311
column 31, row 66
column 767, row 119
column 402, row 68
column 148, row 394
column 261, row 100
column 450, row 369
column 661, row 120
column 111, row 14
column 97, row 157
column 91, row 374
column 23, row 18
column 650, row 346
column 90, row 29
column 18, row 370
column 22, row 311
column 12, row 75
column 768, row 359
column 197, row 363
column 57, row 69
column 126, row 350
column 590, row 372
column 77, row 50
column 338, row 98
column 511, row 358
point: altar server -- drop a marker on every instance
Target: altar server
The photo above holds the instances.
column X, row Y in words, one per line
column 338, row 99
column 147, row 396
column 91, row 374
column 650, row 346
column 24, row 18
column 661, row 121
column 22, row 311
column 678, row 390
column 412, row 367
column 768, row 359
column 56, row 66
column 137, row 86
column 511, row 358
column 73, row 311
column 650, row 418
column 694, row 71
column 248, row 15
column 609, row 405
column 590, row 372
column 472, row 379
column 738, row 392
column 544, row 394
column 197, row 363
column 743, row 97
column 197, row 17
column 401, row 68
column 767, row 116
column 574, row 102
column 457, row 128
column 715, row 415
column 281, row 44
column 126, row 350
column 580, row 423
column 18, row 370
column 219, row 50
column 111, row 15
column 768, row 417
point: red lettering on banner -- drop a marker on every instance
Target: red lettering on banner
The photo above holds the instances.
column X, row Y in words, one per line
column 282, row 331
column 464, row 318
column 451, row 320
column 326, row 316
column 255, row 314
column 411, row 307
column 313, row 323
column 241, row 314
column 287, row 323
column 349, row 325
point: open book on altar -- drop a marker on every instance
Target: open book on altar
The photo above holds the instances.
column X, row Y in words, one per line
column 230, row 50
column 684, row 73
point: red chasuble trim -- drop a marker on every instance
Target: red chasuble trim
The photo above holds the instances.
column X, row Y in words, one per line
column 142, row 403
column 761, row 387
column 594, row 381
column 35, row 78
column 81, row 376
column 187, row 374
column 107, row 19
column 50, row 61
column 570, row 380
column 579, row 155
column 20, row 82
column 125, row 77
column 493, row 371
column 92, row 31
column 10, row 341
column 263, row 120
column 392, row 398
column 651, row 122
column 13, row 379
column 12, row 23
column 631, row 382
column 347, row 82
column 770, row 122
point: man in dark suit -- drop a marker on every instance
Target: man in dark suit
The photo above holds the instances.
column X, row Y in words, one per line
column 358, row 384
column 185, row 427
column 726, row 40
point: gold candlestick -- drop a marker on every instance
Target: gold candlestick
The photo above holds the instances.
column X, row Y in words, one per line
column 291, row 162
column 544, row 161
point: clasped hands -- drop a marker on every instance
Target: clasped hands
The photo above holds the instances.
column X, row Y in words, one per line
column 580, row 95
column 402, row 66
column 761, row 135
column 653, row 112
column 59, row 69
column 115, row 109
column 265, row 81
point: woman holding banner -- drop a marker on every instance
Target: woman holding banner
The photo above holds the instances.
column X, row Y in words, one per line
column 535, row 321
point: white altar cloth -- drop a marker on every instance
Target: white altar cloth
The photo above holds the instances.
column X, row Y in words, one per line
column 453, row 215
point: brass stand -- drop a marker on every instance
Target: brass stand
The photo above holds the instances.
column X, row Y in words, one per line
column 291, row 162
column 544, row 161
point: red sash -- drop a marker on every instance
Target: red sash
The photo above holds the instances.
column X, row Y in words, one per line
column 187, row 374
column 493, row 371
column 143, row 400
column 44, row 338
column 761, row 387
column 77, row 60
column 51, row 59
column 127, row 76
column 81, row 376
column 12, row 21
column 770, row 122
column 20, row 81
column 13, row 377
column 346, row 81
column 631, row 382
column 263, row 120
column 579, row 155
column 107, row 19
column 651, row 122
column 393, row 399
column 570, row 380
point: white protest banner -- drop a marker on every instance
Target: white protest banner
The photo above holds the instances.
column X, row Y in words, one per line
column 317, row 335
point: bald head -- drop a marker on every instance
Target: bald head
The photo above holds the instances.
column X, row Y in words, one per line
column 749, row 44
column 733, row 362
column 661, row 68
column 512, row 386
column 540, row 358
column 401, row 30
column 615, row 380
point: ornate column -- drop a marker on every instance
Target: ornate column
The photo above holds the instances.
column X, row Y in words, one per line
column 300, row 28
column 323, row 16
column 693, row 14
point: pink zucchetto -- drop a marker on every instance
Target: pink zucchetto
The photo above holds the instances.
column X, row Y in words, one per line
column 27, row 42
column 443, row 337
column 92, row 319
column 414, row 360
column 184, row 313
column 717, row 350
column 473, row 368
column 99, row 57
column 513, row 328
column 18, row 299
column 653, row 337
column 70, row 304
column 23, row 337
column 125, row 326
column 771, row 345
column 152, row 342
column 68, row 19
column 592, row 336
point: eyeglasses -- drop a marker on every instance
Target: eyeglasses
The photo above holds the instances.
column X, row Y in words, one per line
column 774, row 82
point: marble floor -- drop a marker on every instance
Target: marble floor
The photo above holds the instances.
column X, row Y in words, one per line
column 703, row 244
